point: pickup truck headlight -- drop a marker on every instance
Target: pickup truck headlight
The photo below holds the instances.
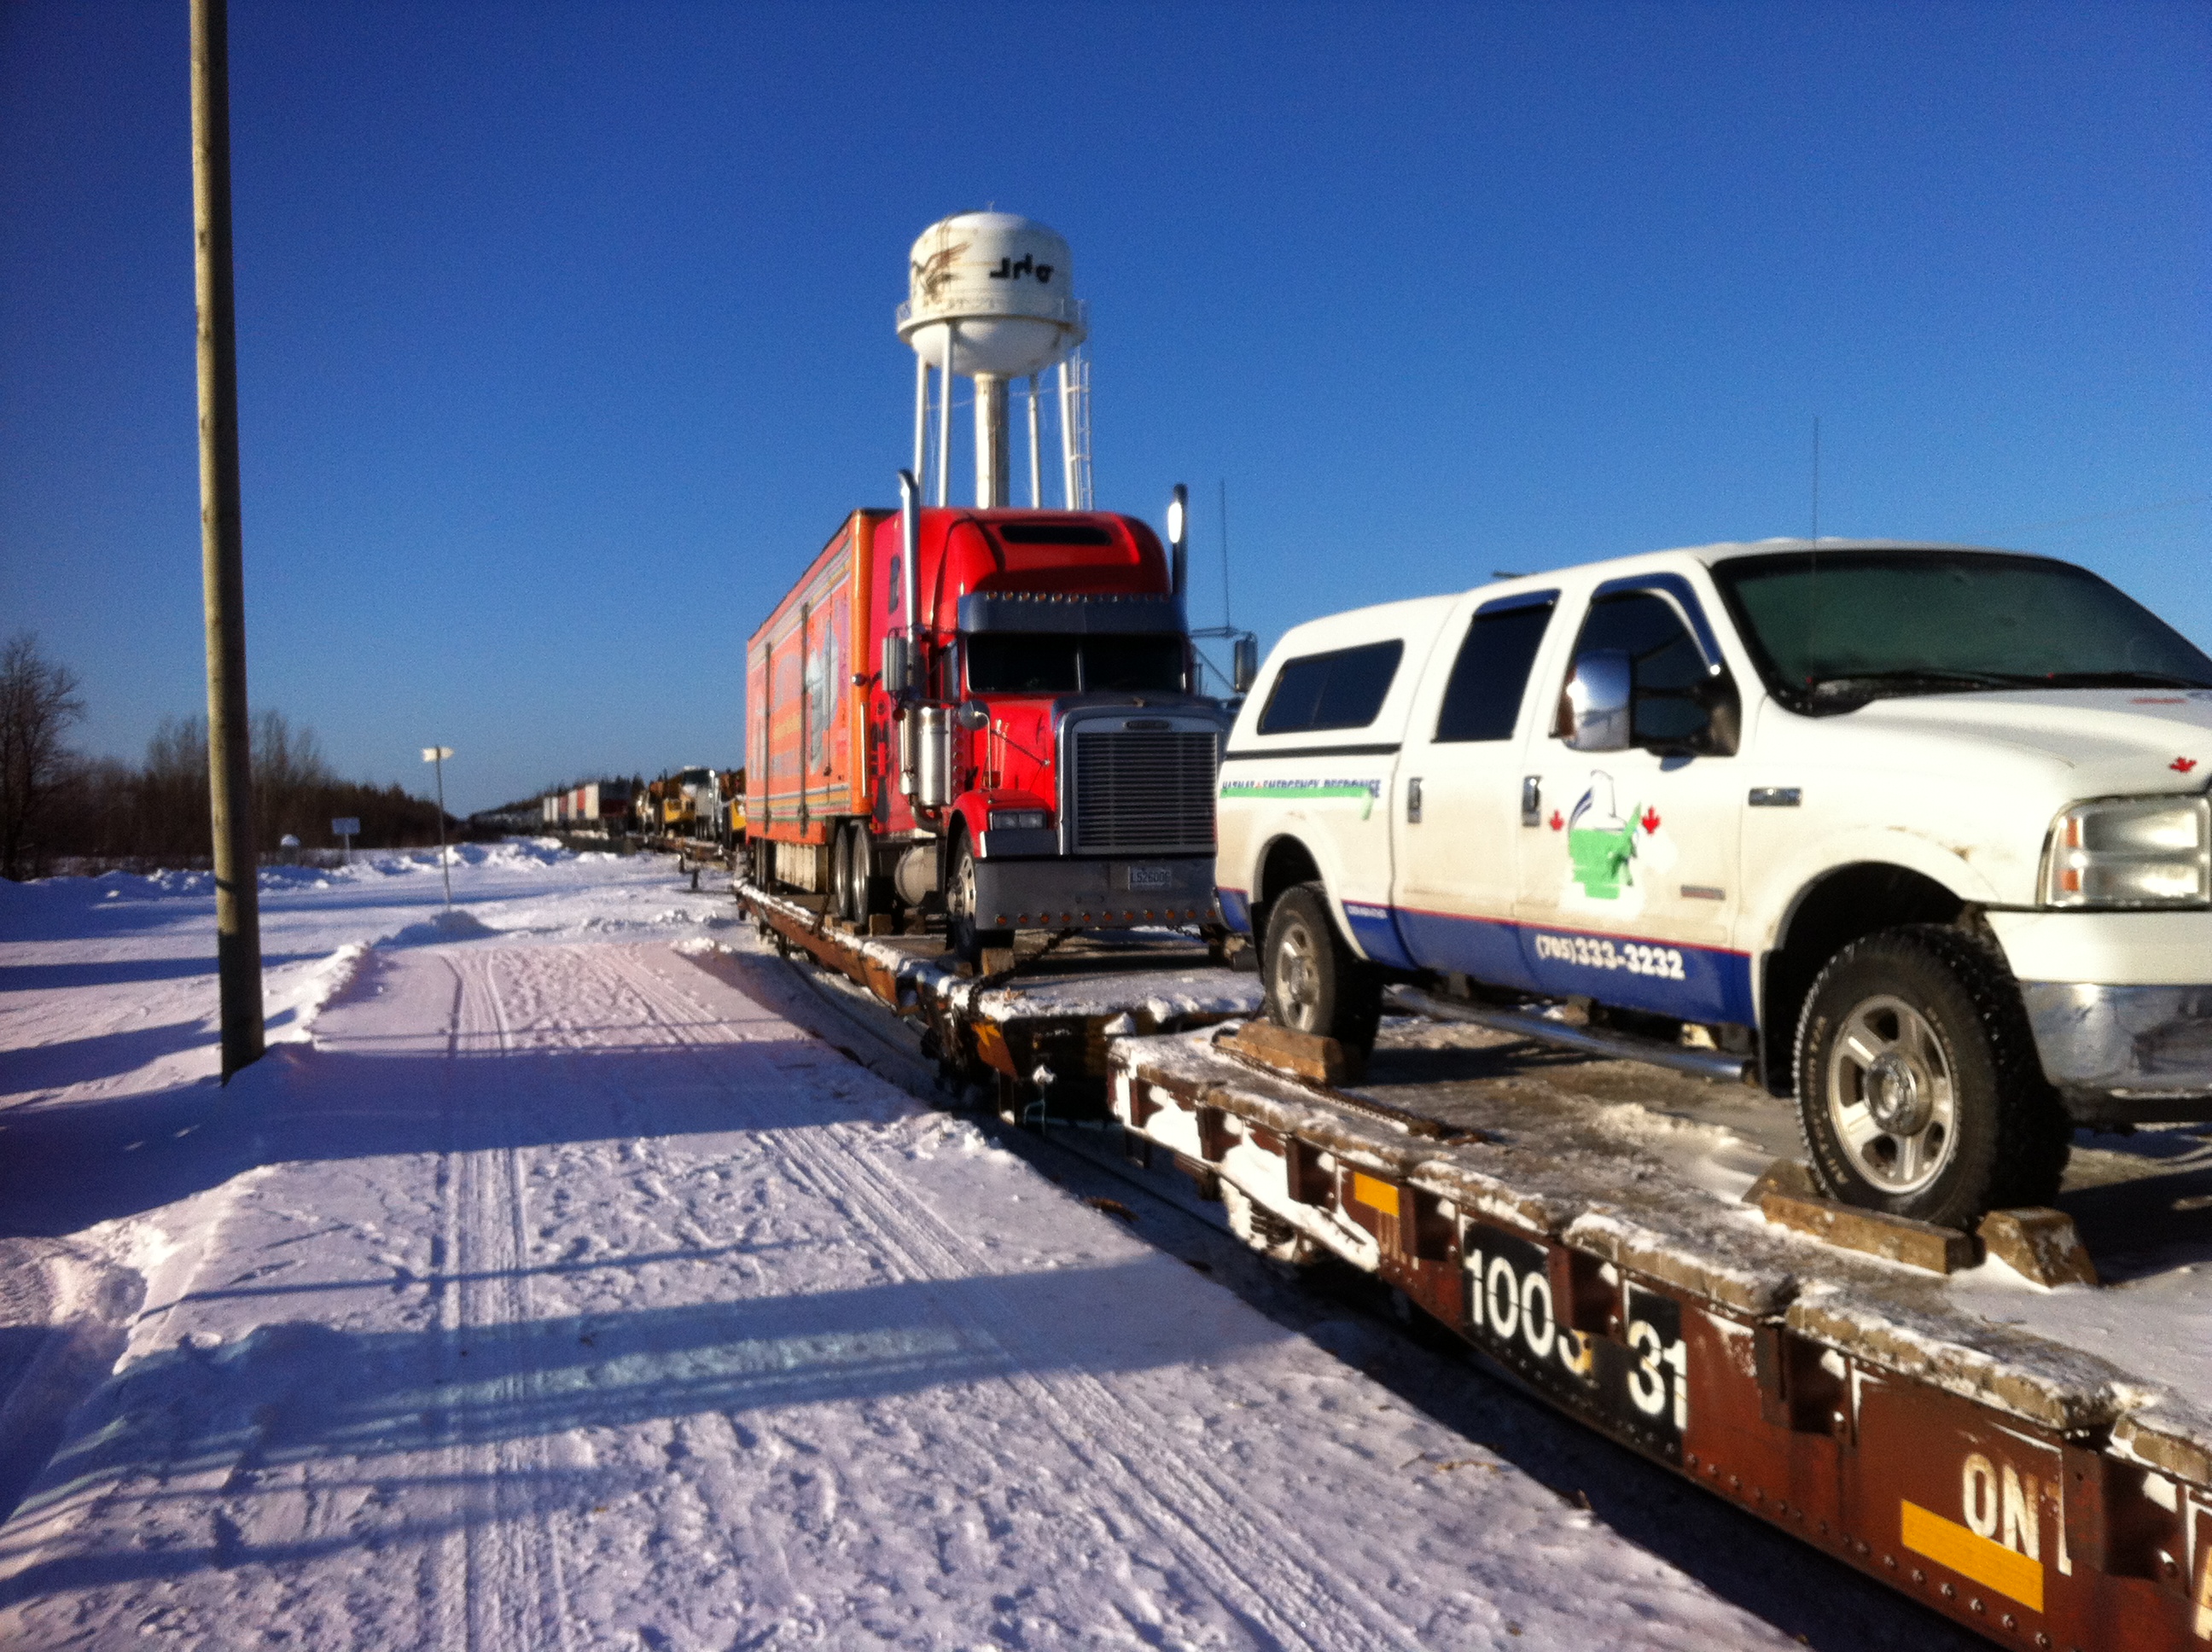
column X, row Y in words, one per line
column 2141, row 852
column 1018, row 820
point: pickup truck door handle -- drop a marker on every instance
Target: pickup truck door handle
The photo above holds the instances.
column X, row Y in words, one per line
column 1532, row 800
column 1413, row 800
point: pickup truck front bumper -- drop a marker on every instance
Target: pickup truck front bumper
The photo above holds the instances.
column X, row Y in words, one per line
column 1065, row 894
column 2124, row 1054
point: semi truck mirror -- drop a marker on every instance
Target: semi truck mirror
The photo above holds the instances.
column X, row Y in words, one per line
column 894, row 663
column 1244, row 664
column 973, row 716
column 1598, row 694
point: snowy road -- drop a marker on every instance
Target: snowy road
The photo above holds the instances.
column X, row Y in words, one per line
column 555, row 1292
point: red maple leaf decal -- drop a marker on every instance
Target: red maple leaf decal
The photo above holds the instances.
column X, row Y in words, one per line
column 1556, row 821
column 2183, row 765
column 1651, row 821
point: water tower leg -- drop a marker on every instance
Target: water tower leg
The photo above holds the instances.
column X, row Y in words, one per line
column 990, row 478
column 944, row 422
column 1067, row 436
column 920, row 415
column 1036, row 476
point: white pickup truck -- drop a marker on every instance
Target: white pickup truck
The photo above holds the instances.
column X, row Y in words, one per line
column 1917, row 834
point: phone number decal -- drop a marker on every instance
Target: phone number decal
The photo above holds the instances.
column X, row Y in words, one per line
column 1594, row 952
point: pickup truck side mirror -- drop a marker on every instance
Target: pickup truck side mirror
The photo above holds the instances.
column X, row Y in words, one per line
column 1594, row 705
column 1244, row 664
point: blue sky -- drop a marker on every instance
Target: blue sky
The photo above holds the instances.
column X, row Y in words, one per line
column 565, row 331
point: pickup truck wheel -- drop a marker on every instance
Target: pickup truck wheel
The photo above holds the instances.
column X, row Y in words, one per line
column 1315, row 983
column 1918, row 1083
column 968, row 939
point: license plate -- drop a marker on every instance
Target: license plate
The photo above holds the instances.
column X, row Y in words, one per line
column 1152, row 877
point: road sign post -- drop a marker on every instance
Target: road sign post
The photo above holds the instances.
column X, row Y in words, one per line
column 436, row 755
column 346, row 828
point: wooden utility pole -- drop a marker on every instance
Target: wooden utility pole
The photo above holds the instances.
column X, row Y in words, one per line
column 230, row 778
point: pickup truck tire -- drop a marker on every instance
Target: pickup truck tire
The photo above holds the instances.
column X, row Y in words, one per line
column 1918, row 1083
column 1315, row 983
column 960, row 926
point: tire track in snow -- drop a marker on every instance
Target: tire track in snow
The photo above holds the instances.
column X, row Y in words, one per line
column 506, row 1555
column 615, row 1001
column 1262, row 1570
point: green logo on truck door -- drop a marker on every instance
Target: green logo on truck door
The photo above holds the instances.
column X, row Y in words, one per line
column 1615, row 856
column 1601, row 845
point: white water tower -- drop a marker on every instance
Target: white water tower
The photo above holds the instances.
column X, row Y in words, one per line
column 991, row 297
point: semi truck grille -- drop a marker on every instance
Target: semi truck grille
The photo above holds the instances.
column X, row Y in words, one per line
column 1142, row 792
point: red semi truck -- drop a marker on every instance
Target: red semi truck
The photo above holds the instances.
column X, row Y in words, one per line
column 990, row 712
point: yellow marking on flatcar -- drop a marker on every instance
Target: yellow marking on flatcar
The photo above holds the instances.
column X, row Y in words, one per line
column 1985, row 1560
column 1376, row 1195
column 991, row 1046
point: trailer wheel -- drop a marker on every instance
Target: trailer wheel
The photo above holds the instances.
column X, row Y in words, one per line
column 968, row 939
column 841, row 873
column 860, row 891
column 1918, row 1083
column 1315, row 983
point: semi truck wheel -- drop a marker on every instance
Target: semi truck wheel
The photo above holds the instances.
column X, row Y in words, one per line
column 1314, row 982
column 848, row 902
column 968, row 938
column 1918, row 1083
column 869, row 892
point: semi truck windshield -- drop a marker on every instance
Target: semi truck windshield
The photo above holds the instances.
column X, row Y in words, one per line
column 1833, row 632
column 1034, row 662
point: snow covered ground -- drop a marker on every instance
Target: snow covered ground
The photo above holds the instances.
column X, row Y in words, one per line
column 545, row 1287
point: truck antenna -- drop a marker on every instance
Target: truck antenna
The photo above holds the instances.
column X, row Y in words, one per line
column 1223, row 484
column 1813, row 560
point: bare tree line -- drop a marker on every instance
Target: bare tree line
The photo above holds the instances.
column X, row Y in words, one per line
column 39, row 701
column 56, row 804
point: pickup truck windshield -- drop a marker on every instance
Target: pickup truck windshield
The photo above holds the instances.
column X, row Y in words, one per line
column 1833, row 632
column 1033, row 662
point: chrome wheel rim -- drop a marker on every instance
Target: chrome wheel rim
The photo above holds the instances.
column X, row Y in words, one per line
column 1892, row 1096
column 1298, row 978
column 960, row 894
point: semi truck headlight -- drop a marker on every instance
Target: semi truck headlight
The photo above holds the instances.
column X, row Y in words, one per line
column 2144, row 852
column 1018, row 820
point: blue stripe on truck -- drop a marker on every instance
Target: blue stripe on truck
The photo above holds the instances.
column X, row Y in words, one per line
column 1376, row 933
column 1235, row 909
column 1693, row 983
